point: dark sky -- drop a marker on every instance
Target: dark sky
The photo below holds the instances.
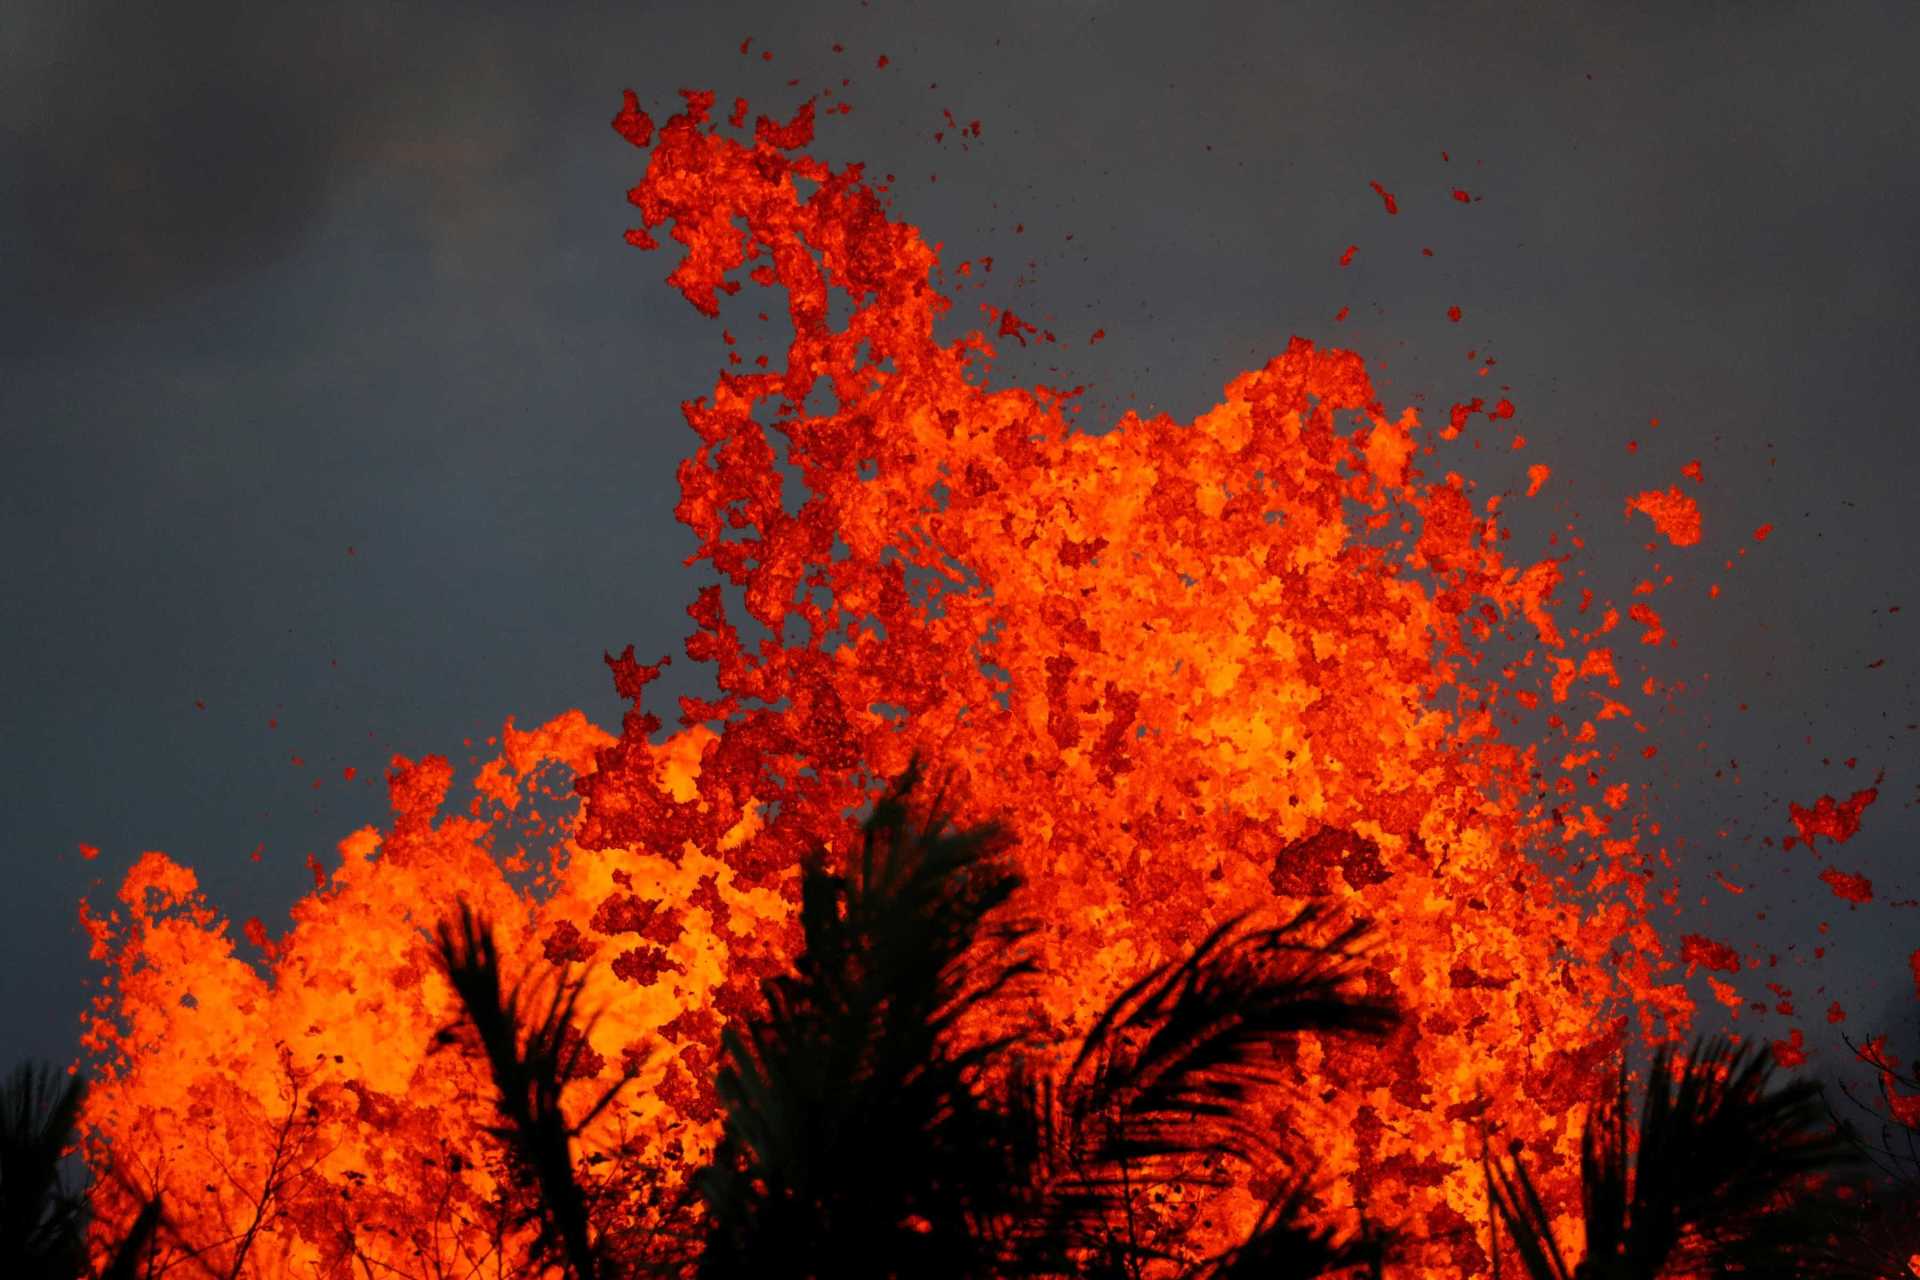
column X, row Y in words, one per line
column 274, row 287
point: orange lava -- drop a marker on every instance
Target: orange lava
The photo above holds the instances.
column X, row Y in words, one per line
column 1197, row 668
column 1701, row 950
column 1852, row 888
column 1673, row 513
column 1837, row 820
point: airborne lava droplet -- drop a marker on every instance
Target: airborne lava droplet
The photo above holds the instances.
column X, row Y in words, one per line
column 1673, row 513
column 1701, row 950
column 1790, row 1053
column 1852, row 888
column 1838, row 821
column 1386, row 197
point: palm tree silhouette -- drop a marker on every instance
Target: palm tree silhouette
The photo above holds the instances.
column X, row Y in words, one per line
column 529, row 1070
column 865, row 1136
column 868, row 1134
column 861, row 1139
column 1725, row 1175
column 1164, row 1093
column 42, row 1222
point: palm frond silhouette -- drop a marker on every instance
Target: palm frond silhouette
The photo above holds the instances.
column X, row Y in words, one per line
column 857, row 1140
column 1722, row 1176
column 1163, row 1089
column 529, row 1071
column 125, row 1262
column 861, row 1141
column 43, row 1223
column 870, row 1132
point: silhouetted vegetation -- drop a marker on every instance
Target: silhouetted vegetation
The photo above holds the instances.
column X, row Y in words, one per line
column 1884, row 1129
column 861, row 1136
column 529, row 1071
column 1721, row 1177
column 864, row 1136
column 885, row 1117
column 43, row 1222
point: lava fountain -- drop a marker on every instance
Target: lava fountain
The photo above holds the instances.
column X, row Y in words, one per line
column 1198, row 669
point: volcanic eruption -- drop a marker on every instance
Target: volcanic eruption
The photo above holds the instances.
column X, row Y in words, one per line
column 1276, row 654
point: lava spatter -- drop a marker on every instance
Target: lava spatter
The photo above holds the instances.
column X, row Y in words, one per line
column 1674, row 514
column 1198, row 669
column 1830, row 819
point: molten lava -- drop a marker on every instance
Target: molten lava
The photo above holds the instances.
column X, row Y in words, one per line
column 1197, row 668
